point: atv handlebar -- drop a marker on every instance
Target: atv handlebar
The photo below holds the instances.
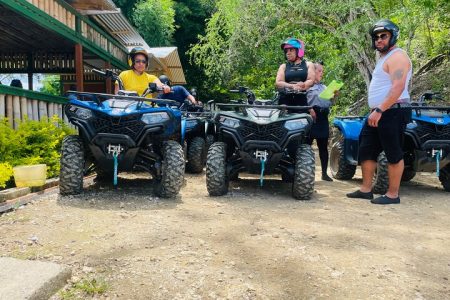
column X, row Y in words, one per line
column 429, row 96
column 248, row 93
column 110, row 74
column 291, row 91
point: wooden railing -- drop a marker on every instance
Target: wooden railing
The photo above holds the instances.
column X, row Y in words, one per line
column 67, row 15
column 57, row 11
column 18, row 104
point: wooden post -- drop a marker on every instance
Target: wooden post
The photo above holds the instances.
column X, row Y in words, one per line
column 47, row 6
column 42, row 110
column 79, row 68
column 23, row 108
column 35, row 105
column 16, row 111
column 9, row 110
column 108, row 88
column 30, row 67
column 51, row 109
column 30, row 109
column 60, row 111
column 2, row 106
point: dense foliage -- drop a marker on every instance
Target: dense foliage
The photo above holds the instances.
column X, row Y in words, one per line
column 231, row 42
column 242, row 39
column 51, row 85
column 155, row 21
column 33, row 142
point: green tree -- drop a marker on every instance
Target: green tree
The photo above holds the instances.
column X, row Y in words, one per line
column 127, row 7
column 242, row 38
column 155, row 21
column 190, row 20
column 51, row 85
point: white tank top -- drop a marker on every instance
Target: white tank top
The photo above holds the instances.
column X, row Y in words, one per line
column 381, row 83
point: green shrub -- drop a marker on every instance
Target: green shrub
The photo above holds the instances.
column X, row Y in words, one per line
column 6, row 173
column 33, row 142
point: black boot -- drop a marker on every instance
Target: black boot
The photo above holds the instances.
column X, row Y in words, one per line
column 326, row 177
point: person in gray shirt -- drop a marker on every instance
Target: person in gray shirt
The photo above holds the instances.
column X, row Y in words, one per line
column 320, row 130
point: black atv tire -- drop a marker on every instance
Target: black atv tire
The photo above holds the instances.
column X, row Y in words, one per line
column 340, row 168
column 72, row 165
column 303, row 184
column 444, row 177
column 209, row 141
column 172, row 170
column 408, row 174
column 216, row 177
column 381, row 178
column 196, row 155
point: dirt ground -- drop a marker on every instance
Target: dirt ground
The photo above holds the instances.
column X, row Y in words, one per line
column 250, row 244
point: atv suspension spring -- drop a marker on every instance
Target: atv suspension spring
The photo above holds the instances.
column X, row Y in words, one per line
column 115, row 169
column 438, row 154
column 261, row 178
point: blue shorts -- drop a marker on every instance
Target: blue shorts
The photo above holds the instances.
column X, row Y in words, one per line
column 387, row 137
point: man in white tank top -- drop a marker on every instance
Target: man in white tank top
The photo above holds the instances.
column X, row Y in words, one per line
column 390, row 112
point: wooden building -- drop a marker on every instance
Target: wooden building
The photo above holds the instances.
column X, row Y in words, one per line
column 68, row 38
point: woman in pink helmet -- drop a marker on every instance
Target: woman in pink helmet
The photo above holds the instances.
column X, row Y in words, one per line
column 296, row 74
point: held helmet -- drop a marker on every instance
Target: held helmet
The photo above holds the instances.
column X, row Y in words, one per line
column 193, row 92
column 164, row 79
column 134, row 52
column 385, row 25
column 294, row 43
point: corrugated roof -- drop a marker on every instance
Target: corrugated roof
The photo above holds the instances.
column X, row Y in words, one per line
column 171, row 63
column 104, row 12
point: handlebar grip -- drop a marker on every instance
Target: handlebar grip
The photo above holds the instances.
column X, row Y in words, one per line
column 99, row 72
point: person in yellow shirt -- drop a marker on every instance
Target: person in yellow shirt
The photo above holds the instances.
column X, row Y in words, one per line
column 137, row 79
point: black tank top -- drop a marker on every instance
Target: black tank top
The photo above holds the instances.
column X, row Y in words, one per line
column 295, row 73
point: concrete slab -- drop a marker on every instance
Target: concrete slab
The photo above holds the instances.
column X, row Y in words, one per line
column 30, row 279
column 13, row 193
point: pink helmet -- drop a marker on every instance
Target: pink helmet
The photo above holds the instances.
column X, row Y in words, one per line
column 294, row 43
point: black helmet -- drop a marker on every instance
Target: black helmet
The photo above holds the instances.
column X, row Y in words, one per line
column 134, row 52
column 164, row 79
column 193, row 92
column 385, row 25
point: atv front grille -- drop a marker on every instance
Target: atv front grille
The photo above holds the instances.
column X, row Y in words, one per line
column 271, row 132
column 128, row 125
column 426, row 132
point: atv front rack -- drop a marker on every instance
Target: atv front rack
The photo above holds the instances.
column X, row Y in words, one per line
column 280, row 107
column 418, row 108
column 99, row 98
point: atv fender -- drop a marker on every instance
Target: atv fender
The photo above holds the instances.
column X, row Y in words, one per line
column 350, row 127
column 183, row 130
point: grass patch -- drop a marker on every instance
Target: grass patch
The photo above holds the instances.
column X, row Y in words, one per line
column 83, row 288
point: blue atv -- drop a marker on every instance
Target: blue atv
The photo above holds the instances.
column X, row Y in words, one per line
column 198, row 135
column 122, row 132
column 261, row 138
column 426, row 146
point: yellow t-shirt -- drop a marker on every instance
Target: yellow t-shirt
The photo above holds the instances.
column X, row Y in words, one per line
column 136, row 83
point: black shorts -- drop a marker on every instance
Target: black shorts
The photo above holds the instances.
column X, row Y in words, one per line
column 387, row 137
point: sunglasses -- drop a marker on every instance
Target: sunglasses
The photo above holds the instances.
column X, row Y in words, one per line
column 138, row 61
column 382, row 36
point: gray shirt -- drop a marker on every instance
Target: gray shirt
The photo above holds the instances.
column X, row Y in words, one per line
column 313, row 96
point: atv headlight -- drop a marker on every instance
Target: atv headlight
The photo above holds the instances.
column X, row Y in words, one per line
column 229, row 122
column 296, row 124
column 80, row 112
column 154, row 118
